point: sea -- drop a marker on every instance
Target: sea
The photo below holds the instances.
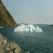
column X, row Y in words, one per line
column 31, row 42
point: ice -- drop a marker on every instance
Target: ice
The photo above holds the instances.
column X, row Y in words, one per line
column 28, row 28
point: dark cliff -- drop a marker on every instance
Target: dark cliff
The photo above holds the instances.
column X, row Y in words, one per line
column 6, row 19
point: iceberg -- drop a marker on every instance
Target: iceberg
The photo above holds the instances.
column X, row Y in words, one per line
column 28, row 28
column 22, row 27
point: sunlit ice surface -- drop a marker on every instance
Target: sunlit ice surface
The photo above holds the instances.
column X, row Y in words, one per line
column 28, row 28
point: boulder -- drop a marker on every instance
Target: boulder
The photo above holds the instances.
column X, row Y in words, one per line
column 13, row 48
column 10, row 47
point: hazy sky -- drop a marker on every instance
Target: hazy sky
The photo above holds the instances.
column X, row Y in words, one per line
column 31, row 11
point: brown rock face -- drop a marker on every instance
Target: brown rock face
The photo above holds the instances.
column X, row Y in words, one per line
column 5, row 18
column 10, row 47
column 13, row 48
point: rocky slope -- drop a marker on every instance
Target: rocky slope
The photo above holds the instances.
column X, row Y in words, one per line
column 7, row 46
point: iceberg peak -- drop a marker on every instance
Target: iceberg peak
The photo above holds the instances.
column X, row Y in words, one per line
column 28, row 28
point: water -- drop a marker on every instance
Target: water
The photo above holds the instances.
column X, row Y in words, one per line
column 31, row 42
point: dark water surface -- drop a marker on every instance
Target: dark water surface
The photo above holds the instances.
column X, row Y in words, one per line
column 32, row 42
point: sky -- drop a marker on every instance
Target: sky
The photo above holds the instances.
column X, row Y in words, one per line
column 31, row 11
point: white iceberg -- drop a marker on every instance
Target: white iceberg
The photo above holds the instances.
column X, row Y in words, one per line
column 22, row 27
column 28, row 28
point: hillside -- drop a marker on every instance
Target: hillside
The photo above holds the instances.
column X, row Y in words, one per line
column 5, row 18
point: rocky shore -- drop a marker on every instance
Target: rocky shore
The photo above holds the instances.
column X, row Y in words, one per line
column 7, row 46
